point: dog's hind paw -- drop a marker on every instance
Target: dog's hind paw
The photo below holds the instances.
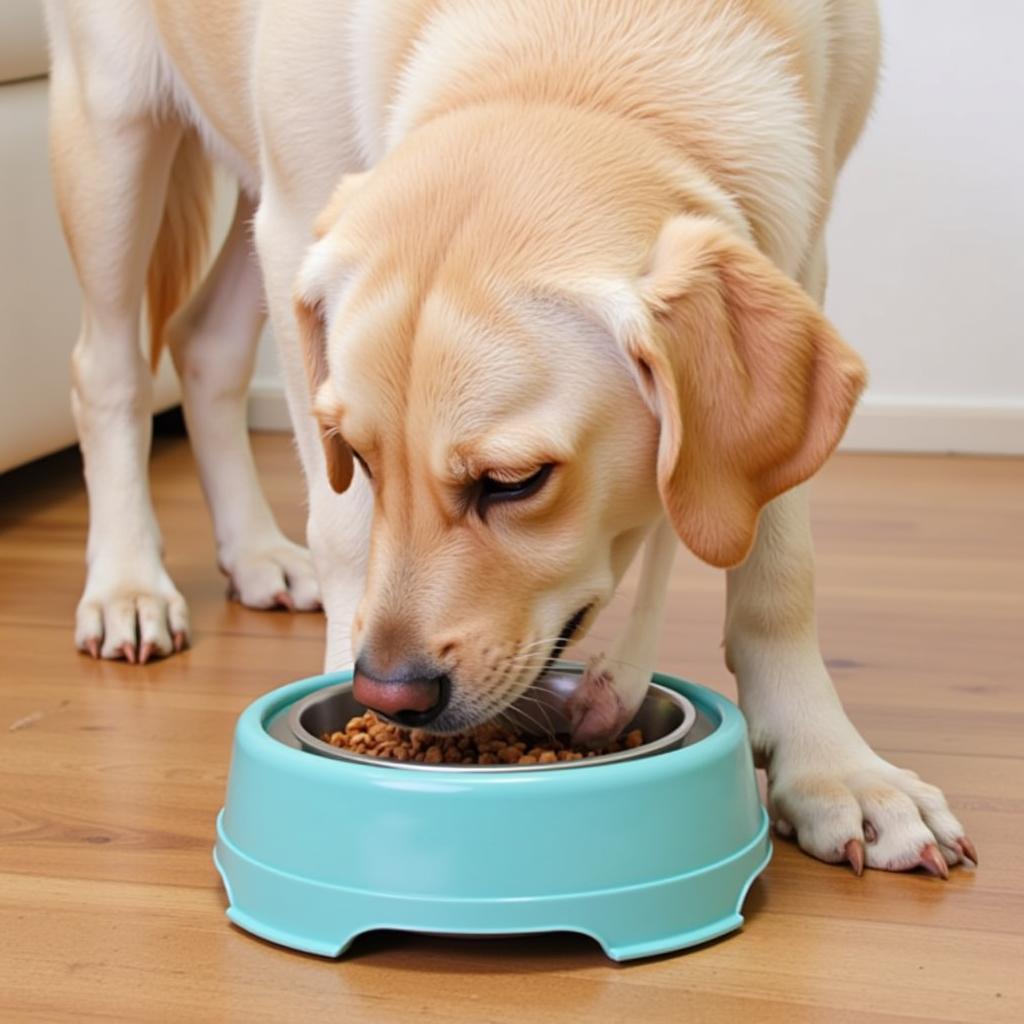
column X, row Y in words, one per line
column 272, row 574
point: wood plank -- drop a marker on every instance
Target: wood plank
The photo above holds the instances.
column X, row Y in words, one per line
column 110, row 777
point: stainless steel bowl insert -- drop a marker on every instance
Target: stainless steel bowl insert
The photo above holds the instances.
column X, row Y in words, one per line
column 665, row 717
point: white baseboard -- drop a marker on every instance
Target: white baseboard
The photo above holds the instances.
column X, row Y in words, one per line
column 879, row 425
column 888, row 425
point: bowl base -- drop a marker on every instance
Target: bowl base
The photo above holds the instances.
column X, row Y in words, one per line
column 629, row 922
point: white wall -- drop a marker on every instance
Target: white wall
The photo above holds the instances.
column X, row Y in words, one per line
column 39, row 296
column 926, row 253
column 927, row 237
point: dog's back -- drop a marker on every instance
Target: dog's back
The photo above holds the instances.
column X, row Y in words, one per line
column 769, row 94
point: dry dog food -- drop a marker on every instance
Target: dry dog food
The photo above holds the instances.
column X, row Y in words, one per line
column 487, row 744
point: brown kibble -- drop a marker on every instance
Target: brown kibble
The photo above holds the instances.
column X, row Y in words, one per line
column 488, row 744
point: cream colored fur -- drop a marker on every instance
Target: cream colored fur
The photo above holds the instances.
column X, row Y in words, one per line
column 494, row 235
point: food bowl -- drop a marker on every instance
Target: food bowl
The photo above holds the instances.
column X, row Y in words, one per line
column 646, row 851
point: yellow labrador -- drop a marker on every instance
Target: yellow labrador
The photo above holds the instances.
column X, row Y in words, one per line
column 545, row 276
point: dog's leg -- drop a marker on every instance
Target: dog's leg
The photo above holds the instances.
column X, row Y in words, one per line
column 613, row 687
column 826, row 785
column 338, row 527
column 213, row 342
column 110, row 172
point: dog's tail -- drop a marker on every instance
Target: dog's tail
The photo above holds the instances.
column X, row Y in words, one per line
column 179, row 254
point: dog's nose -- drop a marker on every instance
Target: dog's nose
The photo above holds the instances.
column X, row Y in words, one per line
column 409, row 698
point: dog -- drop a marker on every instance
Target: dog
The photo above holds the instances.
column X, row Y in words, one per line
column 545, row 277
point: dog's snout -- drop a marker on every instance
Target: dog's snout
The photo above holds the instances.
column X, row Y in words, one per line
column 407, row 695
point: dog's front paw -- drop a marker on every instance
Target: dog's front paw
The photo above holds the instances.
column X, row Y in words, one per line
column 869, row 813
column 602, row 704
column 131, row 611
column 272, row 572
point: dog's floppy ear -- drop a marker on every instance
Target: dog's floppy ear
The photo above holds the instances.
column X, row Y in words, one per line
column 752, row 385
column 312, row 336
column 323, row 270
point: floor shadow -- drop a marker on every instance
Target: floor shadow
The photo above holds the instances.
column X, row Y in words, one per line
column 500, row 954
column 30, row 489
column 481, row 954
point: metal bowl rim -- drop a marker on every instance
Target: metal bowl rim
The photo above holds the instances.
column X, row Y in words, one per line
column 313, row 744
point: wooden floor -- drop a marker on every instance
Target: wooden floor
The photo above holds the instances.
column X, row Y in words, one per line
column 111, row 775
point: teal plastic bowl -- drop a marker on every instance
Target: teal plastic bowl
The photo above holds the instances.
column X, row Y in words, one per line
column 646, row 856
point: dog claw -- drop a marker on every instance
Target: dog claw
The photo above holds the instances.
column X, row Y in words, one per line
column 128, row 650
column 967, row 849
column 870, row 835
column 146, row 652
column 92, row 646
column 180, row 641
column 854, row 851
column 933, row 862
column 284, row 600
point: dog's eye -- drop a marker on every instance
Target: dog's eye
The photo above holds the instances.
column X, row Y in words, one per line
column 492, row 490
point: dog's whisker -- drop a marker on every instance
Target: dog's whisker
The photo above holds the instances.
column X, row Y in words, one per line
column 534, row 658
column 538, row 648
column 534, row 644
column 515, row 711
column 540, row 708
column 537, row 658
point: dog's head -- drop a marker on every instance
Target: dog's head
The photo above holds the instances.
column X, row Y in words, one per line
column 526, row 390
